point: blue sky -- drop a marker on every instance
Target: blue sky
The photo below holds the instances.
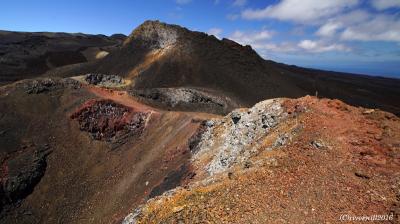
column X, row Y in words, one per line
column 360, row 36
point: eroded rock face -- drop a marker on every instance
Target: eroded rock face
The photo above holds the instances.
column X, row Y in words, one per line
column 234, row 138
column 108, row 120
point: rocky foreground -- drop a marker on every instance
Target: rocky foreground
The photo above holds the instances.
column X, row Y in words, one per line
column 75, row 152
column 306, row 160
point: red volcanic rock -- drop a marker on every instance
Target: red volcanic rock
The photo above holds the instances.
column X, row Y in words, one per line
column 107, row 120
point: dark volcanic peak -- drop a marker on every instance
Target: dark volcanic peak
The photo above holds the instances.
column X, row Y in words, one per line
column 159, row 55
column 154, row 34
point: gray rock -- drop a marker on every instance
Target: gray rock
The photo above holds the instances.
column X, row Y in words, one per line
column 234, row 138
column 281, row 140
column 39, row 86
column 131, row 218
column 318, row 144
column 184, row 98
column 155, row 35
column 103, row 79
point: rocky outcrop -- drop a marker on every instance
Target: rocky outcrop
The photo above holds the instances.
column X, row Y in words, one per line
column 185, row 99
column 220, row 144
column 44, row 85
column 109, row 121
column 235, row 138
column 104, row 80
column 154, row 35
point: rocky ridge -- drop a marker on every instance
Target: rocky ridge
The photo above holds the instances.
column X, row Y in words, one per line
column 270, row 157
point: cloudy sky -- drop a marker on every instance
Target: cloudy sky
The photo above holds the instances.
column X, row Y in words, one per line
column 361, row 36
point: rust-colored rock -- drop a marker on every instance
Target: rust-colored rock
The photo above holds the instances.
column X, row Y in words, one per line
column 107, row 120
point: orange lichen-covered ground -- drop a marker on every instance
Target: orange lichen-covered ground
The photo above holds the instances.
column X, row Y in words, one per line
column 341, row 162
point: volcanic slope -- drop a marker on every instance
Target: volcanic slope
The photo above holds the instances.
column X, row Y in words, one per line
column 158, row 55
column 77, row 153
column 305, row 160
column 27, row 55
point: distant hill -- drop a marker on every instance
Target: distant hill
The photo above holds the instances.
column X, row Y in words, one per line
column 26, row 55
column 159, row 55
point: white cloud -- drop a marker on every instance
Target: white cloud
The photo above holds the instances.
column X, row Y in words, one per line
column 353, row 17
column 239, row 2
column 339, row 22
column 329, row 29
column 284, row 47
column 377, row 28
column 255, row 38
column 215, row 31
column 361, row 25
column 182, row 2
column 308, row 44
column 385, row 4
column 261, row 41
column 318, row 46
column 305, row 11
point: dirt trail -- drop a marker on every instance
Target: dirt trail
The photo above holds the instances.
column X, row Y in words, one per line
column 119, row 96
column 123, row 97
